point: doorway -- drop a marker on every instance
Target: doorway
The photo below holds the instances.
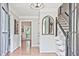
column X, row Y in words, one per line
column 26, row 28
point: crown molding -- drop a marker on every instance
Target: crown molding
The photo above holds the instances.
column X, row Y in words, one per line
column 28, row 17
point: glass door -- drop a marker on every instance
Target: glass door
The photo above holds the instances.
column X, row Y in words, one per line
column 28, row 37
column 4, row 30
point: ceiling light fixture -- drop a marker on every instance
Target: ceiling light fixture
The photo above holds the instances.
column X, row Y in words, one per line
column 37, row 5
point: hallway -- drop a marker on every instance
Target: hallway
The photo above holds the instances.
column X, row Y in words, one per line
column 33, row 24
column 31, row 52
column 39, row 29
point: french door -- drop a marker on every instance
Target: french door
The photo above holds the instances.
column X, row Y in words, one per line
column 5, row 30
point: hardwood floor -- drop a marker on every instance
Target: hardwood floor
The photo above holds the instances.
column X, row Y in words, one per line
column 30, row 52
column 25, row 51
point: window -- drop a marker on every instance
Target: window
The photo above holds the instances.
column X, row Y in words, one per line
column 48, row 25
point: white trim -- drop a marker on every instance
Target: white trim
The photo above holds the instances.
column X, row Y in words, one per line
column 14, row 49
column 28, row 17
column 47, row 51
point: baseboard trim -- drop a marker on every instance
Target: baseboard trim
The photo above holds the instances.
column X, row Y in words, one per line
column 14, row 50
column 47, row 52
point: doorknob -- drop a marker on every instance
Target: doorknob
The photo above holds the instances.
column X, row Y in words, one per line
column 4, row 32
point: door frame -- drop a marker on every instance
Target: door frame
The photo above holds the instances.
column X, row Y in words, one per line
column 21, row 32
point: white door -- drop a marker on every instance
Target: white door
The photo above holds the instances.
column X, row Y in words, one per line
column 4, row 31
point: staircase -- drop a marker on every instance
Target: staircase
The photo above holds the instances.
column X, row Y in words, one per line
column 64, row 23
column 62, row 29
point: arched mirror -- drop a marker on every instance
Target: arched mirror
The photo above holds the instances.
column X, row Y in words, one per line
column 48, row 25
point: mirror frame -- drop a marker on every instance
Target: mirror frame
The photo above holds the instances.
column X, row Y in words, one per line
column 42, row 25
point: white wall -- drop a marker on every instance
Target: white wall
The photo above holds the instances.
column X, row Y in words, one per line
column 34, row 20
column 47, row 42
column 60, row 42
column 15, row 39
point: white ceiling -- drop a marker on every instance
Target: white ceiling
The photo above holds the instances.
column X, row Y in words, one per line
column 24, row 9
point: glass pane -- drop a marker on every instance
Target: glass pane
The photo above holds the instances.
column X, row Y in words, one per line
column 4, row 32
column 28, row 33
column 48, row 26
